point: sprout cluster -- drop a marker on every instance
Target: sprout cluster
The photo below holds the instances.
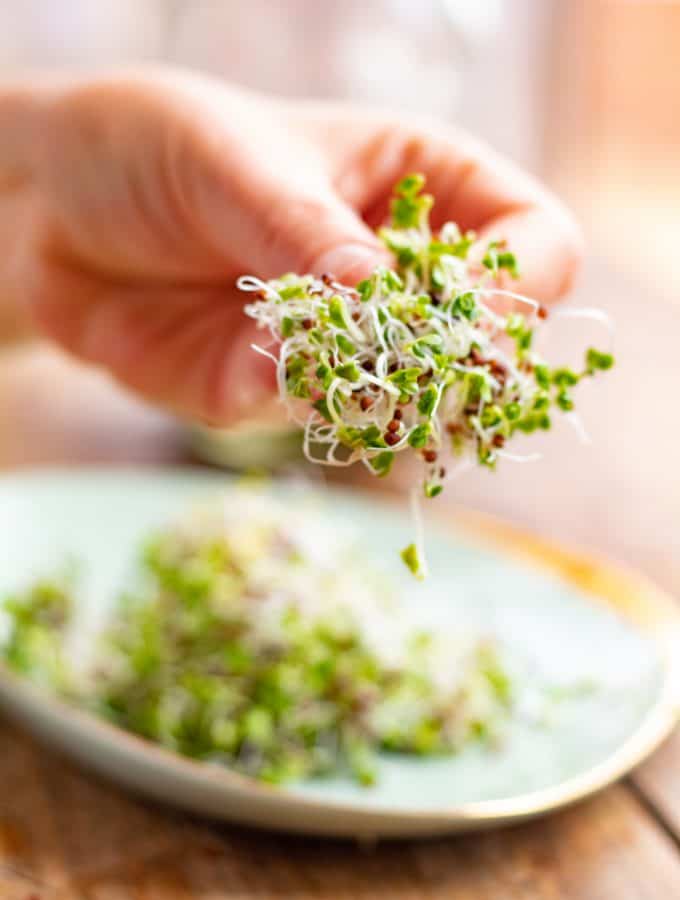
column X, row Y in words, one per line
column 413, row 358
column 241, row 645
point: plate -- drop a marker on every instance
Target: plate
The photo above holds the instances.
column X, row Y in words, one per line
column 572, row 619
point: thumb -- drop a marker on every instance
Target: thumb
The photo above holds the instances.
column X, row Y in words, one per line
column 316, row 234
column 266, row 199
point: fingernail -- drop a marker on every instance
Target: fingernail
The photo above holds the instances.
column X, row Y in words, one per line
column 350, row 262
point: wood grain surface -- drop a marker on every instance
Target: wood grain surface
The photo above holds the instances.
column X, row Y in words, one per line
column 64, row 834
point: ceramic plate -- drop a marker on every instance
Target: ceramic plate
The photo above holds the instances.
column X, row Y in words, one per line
column 572, row 620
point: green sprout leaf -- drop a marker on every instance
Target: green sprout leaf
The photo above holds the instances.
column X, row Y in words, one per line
column 411, row 559
column 337, row 311
column 497, row 258
column 382, row 463
column 428, row 400
column 350, row 371
column 597, row 361
column 419, row 435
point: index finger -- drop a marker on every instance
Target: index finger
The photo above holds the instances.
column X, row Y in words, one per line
column 472, row 185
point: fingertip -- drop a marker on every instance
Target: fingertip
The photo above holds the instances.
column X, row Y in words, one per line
column 350, row 263
column 549, row 247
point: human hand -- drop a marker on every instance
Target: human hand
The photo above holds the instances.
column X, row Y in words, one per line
column 150, row 193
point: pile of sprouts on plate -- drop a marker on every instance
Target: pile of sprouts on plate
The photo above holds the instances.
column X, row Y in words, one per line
column 257, row 637
column 415, row 357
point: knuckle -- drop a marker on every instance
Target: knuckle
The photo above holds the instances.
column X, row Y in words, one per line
column 86, row 109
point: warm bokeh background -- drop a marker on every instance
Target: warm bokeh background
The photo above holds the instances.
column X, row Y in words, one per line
column 586, row 93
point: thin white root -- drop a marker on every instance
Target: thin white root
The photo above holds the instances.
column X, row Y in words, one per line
column 519, row 457
column 591, row 313
column 576, row 422
column 264, row 352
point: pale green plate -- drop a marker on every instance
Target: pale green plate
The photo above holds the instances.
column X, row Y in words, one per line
column 568, row 619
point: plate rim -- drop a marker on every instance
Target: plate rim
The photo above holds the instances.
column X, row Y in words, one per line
column 482, row 530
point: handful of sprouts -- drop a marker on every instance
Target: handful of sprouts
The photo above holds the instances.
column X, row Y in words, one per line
column 411, row 358
column 251, row 641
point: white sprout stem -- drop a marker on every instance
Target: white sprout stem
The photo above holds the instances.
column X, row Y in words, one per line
column 367, row 463
column 330, row 400
column 251, row 283
column 591, row 313
column 463, row 466
column 378, row 329
column 385, row 385
column 355, row 331
column 501, row 292
column 440, row 393
column 519, row 457
column 263, row 352
column 328, row 459
column 576, row 422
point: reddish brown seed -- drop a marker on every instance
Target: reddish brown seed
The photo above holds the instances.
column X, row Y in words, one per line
column 393, row 425
column 367, row 365
column 542, row 312
column 453, row 428
column 356, row 316
column 398, row 414
column 261, row 295
column 392, row 368
column 365, row 403
column 499, row 371
column 331, row 360
column 430, row 456
column 477, row 358
column 471, row 410
column 498, row 440
column 390, row 438
column 442, row 472
column 327, row 278
column 307, row 323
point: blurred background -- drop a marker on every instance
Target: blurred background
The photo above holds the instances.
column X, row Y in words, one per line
column 585, row 93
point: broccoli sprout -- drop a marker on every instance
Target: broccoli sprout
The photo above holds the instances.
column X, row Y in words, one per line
column 242, row 644
column 415, row 358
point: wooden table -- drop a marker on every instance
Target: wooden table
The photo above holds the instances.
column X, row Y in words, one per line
column 64, row 834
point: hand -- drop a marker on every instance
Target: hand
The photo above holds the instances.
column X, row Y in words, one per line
column 151, row 193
